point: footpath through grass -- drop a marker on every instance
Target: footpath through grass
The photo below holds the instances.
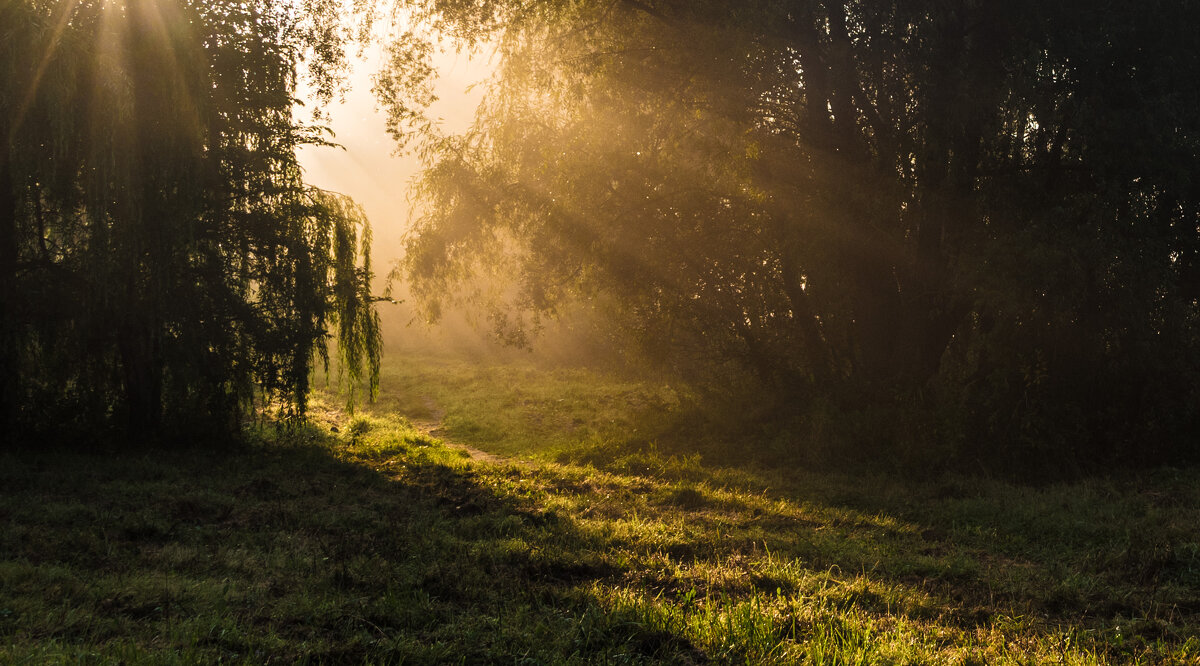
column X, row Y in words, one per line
column 378, row 544
column 521, row 409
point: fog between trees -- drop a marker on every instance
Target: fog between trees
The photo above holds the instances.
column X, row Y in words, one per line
column 950, row 233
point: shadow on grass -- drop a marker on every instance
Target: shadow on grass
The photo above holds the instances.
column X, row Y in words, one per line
column 1112, row 565
column 337, row 550
column 282, row 554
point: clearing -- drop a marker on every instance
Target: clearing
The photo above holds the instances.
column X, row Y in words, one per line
column 584, row 544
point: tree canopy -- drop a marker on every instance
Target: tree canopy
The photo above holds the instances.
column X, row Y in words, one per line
column 162, row 262
column 968, row 230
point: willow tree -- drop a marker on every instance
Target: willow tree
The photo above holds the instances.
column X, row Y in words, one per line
column 162, row 262
column 970, row 226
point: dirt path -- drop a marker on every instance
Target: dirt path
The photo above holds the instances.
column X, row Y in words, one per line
column 432, row 426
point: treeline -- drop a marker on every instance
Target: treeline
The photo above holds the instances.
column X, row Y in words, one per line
column 941, row 233
column 944, row 233
column 163, row 266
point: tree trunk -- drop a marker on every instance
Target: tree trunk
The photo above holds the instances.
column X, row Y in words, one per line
column 10, row 388
column 142, row 381
column 816, row 349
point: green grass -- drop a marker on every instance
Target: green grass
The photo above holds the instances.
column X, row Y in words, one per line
column 378, row 544
column 521, row 409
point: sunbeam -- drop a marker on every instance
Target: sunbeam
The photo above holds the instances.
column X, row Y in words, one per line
column 65, row 11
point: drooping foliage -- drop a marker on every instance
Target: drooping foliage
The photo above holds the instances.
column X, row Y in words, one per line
column 162, row 262
column 953, row 231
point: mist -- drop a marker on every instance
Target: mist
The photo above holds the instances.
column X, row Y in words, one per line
column 633, row 331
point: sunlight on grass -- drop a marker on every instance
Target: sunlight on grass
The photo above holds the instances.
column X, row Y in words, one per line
column 522, row 410
column 365, row 538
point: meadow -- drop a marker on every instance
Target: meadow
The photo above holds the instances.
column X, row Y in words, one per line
column 573, row 536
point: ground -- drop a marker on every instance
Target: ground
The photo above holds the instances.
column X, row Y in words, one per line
column 576, row 540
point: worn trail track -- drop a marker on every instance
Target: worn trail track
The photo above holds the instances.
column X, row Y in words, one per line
column 432, row 426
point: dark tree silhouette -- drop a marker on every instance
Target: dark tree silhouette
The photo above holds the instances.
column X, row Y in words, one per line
column 162, row 262
column 969, row 228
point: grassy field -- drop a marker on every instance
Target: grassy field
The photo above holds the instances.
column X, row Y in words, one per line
column 522, row 410
column 378, row 543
